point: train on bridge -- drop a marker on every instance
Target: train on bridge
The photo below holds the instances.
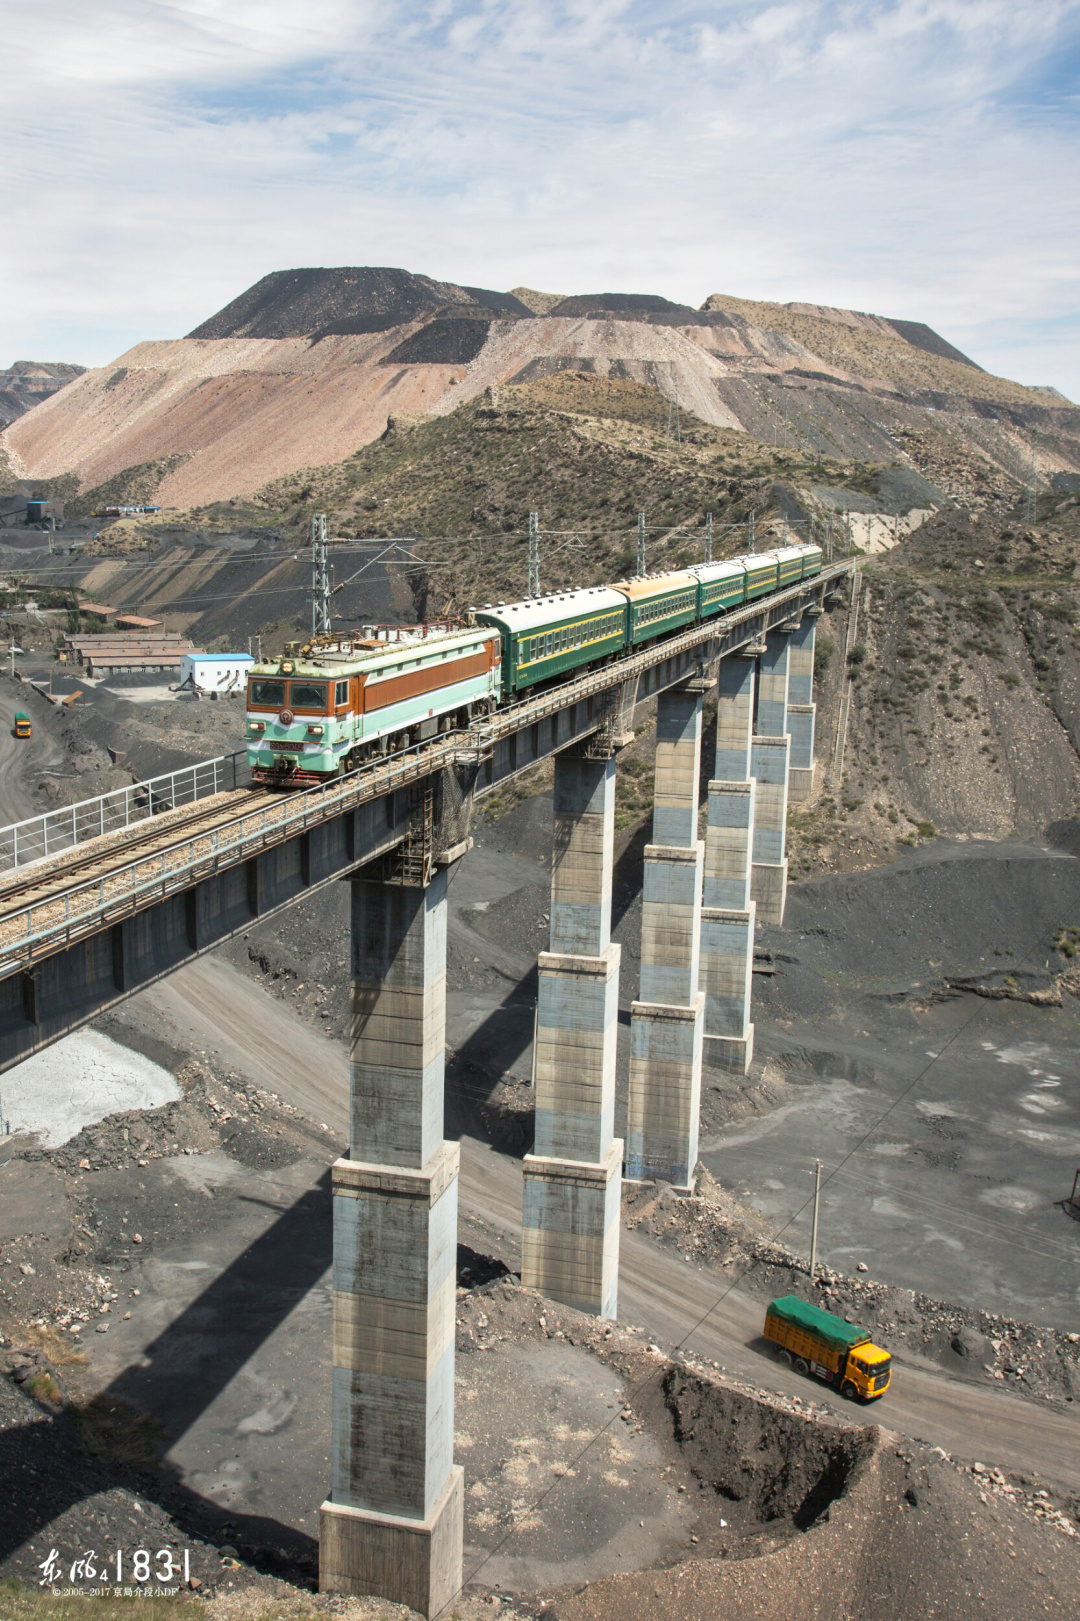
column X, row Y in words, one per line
column 332, row 705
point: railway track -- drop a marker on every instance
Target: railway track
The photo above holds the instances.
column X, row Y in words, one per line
column 56, row 874
column 50, row 905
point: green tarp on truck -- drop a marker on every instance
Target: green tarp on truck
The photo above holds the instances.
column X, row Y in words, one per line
column 812, row 1320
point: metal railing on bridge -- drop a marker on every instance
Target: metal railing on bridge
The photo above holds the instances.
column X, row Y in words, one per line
column 58, row 919
column 57, row 830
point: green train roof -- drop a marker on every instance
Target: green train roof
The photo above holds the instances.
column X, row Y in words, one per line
column 541, row 613
column 728, row 568
column 801, row 1314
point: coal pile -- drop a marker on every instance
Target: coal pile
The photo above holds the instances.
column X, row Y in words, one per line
column 349, row 299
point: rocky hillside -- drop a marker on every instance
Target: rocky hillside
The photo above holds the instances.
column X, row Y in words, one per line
column 588, row 453
column 964, row 681
column 308, row 366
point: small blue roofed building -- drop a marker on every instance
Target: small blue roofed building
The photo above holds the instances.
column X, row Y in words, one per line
column 215, row 672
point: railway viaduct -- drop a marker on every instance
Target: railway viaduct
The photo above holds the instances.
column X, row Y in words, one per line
column 101, row 900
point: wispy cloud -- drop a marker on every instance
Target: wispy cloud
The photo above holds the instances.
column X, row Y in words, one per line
column 915, row 157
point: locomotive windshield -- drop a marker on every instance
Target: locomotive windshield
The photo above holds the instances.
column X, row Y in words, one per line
column 308, row 695
column 302, row 694
column 270, row 693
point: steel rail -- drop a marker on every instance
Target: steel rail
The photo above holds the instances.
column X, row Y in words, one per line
column 49, row 874
column 40, row 928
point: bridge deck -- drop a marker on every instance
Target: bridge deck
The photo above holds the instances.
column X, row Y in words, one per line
column 100, row 881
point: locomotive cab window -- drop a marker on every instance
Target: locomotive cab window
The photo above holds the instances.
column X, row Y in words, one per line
column 341, row 694
column 270, row 693
column 308, row 695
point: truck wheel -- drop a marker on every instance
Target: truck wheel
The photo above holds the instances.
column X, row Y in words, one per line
column 784, row 1357
column 848, row 1391
column 801, row 1365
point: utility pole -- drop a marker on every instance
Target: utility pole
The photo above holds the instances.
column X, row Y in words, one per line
column 708, row 537
column 1031, row 514
column 534, row 554
column 13, row 649
column 753, row 543
column 813, row 1231
column 320, row 577
column 641, row 543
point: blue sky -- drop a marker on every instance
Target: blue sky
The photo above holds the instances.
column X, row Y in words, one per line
column 917, row 158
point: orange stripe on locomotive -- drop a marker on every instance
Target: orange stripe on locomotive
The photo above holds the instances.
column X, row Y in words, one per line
column 375, row 695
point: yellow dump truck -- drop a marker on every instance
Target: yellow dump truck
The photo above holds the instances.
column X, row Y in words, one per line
column 22, row 723
column 815, row 1341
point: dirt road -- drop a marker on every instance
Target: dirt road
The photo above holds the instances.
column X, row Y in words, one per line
column 216, row 1009
column 20, row 758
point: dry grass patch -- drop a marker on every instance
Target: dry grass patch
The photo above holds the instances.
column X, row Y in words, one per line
column 110, row 1428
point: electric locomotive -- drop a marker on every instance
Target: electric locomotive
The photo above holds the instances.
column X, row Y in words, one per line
column 324, row 709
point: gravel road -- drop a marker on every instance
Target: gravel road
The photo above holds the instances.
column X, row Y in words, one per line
column 21, row 758
column 217, row 1009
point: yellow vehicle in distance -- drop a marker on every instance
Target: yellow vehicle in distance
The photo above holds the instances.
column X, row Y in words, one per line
column 812, row 1340
column 22, row 723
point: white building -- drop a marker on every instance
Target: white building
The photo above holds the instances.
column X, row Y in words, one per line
column 215, row 672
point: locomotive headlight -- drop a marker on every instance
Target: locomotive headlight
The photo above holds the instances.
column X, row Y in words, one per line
column 314, row 731
column 255, row 727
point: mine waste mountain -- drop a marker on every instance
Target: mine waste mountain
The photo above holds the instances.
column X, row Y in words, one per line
column 309, row 365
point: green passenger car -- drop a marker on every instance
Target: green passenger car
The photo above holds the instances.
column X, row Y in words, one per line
column 659, row 604
column 812, row 557
column 761, row 574
column 549, row 636
column 720, row 586
column 789, row 565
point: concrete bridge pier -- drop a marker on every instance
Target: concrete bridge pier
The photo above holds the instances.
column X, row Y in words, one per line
column 573, row 1177
column 668, row 1019
column 774, row 667
column 769, row 868
column 393, row 1522
column 770, row 749
column 728, row 914
column 802, row 711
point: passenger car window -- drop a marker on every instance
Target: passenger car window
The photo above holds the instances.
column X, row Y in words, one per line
column 267, row 692
column 308, row 694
